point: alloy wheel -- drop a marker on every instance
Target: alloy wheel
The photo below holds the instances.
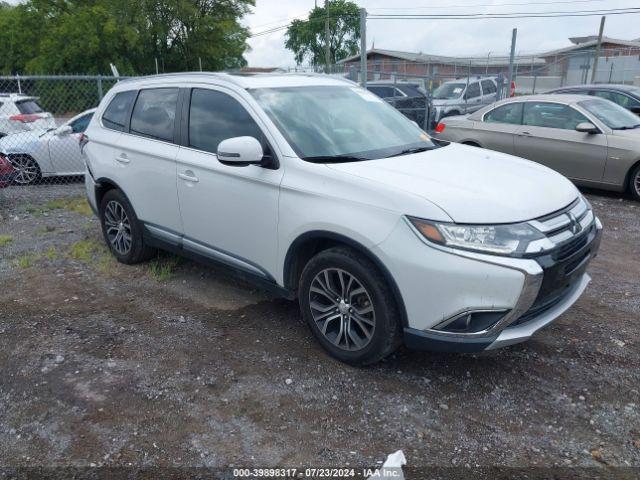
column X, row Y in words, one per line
column 636, row 182
column 27, row 169
column 342, row 309
column 118, row 227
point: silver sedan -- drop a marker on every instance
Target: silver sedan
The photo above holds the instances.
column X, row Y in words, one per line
column 592, row 141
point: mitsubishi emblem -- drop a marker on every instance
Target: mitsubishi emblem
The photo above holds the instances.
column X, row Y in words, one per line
column 575, row 224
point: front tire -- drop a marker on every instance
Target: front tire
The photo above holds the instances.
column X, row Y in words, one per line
column 349, row 306
column 28, row 170
column 121, row 229
column 634, row 183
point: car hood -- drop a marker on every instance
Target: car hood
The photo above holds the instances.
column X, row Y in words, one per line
column 633, row 133
column 472, row 185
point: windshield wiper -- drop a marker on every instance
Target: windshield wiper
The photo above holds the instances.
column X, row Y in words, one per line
column 409, row 151
column 628, row 127
column 334, row 159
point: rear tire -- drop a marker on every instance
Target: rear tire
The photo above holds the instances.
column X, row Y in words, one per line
column 349, row 306
column 634, row 182
column 121, row 229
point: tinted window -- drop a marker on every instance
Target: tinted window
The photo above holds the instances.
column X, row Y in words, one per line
column 552, row 115
column 619, row 98
column 214, row 117
column 80, row 125
column 488, row 87
column 115, row 116
column 511, row 113
column 411, row 90
column 382, row 92
column 473, row 91
column 154, row 113
column 28, row 107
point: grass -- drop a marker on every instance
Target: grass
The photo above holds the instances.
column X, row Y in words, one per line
column 83, row 250
column 27, row 260
column 5, row 240
column 73, row 204
column 162, row 269
column 51, row 253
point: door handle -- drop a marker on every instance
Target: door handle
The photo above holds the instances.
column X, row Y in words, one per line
column 123, row 158
column 524, row 134
column 189, row 176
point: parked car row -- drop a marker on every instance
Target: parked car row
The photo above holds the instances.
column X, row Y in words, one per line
column 48, row 151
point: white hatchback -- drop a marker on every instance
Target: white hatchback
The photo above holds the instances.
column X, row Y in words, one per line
column 22, row 113
column 319, row 190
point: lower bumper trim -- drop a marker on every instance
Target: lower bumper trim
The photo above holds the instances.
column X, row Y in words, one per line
column 415, row 339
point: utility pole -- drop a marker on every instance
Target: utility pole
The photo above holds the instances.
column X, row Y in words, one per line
column 595, row 60
column 363, row 48
column 327, row 46
column 512, row 55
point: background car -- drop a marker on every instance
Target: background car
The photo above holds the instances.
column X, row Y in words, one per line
column 627, row 96
column 407, row 97
column 464, row 95
column 47, row 152
column 21, row 113
column 593, row 141
column 7, row 172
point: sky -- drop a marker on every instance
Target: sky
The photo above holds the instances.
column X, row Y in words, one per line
column 439, row 37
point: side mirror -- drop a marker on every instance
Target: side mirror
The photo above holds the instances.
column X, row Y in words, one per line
column 64, row 130
column 587, row 127
column 240, row 151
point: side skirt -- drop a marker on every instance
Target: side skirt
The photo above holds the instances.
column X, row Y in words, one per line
column 174, row 243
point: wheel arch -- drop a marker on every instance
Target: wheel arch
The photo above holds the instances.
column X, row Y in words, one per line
column 627, row 178
column 308, row 244
column 103, row 185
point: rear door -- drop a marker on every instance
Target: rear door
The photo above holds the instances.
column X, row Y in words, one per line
column 497, row 129
column 145, row 158
column 548, row 136
column 489, row 91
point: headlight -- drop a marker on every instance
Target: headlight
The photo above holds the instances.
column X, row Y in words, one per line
column 495, row 239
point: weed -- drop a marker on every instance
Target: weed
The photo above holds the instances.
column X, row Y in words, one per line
column 163, row 268
column 5, row 240
column 83, row 250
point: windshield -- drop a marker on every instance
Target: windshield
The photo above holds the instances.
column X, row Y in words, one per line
column 28, row 107
column 448, row 91
column 340, row 123
column 611, row 114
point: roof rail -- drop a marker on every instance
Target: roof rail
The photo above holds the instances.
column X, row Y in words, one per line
column 221, row 75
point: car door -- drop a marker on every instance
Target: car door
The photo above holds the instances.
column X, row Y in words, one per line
column 64, row 148
column 145, row 158
column 229, row 213
column 548, row 136
column 497, row 128
column 472, row 97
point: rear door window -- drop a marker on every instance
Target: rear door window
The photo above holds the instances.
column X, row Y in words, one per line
column 115, row 116
column 382, row 92
column 215, row 116
column 29, row 107
column 154, row 113
column 511, row 113
column 488, row 87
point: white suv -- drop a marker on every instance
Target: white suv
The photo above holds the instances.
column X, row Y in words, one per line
column 320, row 190
column 22, row 113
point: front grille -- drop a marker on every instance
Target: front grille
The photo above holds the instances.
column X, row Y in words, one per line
column 572, row 246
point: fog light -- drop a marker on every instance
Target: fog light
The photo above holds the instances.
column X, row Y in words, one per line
column 471, row 322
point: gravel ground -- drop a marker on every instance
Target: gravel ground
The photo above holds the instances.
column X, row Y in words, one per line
column 172, row 364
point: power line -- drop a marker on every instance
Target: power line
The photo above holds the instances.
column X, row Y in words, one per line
column 486, row 5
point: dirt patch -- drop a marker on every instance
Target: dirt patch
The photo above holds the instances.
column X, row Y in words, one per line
column 107, row 364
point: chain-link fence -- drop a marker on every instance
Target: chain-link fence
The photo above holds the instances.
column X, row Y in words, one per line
column 41, row 120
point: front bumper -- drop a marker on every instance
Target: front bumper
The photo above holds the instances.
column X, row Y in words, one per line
column 558, row 286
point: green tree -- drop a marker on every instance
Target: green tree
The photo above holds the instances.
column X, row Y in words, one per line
column 80, row 36
column 306, row 38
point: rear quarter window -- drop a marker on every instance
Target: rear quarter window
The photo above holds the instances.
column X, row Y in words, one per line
column 115, row 116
